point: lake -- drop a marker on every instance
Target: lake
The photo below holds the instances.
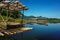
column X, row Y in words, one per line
column 40, row 32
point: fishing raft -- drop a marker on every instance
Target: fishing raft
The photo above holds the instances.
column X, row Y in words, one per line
column 9, row 27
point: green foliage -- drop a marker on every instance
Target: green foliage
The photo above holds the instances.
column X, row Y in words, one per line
column 5, row 18
column 4, row 12
column 16, row 14
column 54, row 20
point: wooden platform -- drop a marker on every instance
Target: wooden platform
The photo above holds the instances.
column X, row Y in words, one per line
column 14, row 31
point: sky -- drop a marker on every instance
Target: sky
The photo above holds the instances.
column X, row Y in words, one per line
column 45, row 8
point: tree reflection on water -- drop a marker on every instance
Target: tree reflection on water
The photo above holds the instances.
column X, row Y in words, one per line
column 46, row 24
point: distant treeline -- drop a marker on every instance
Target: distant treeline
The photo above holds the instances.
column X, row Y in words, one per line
column 50, row 20
column 53, row 20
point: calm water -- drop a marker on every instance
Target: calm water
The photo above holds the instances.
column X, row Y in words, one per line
column 40, row 32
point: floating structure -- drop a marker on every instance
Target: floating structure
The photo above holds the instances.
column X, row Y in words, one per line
column 11, row 6
column 14, row 31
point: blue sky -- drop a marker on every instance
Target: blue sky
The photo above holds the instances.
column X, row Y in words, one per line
column 45, row 8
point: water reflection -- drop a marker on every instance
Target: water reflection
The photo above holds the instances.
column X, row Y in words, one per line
column 46, row 24
column 39, row 32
